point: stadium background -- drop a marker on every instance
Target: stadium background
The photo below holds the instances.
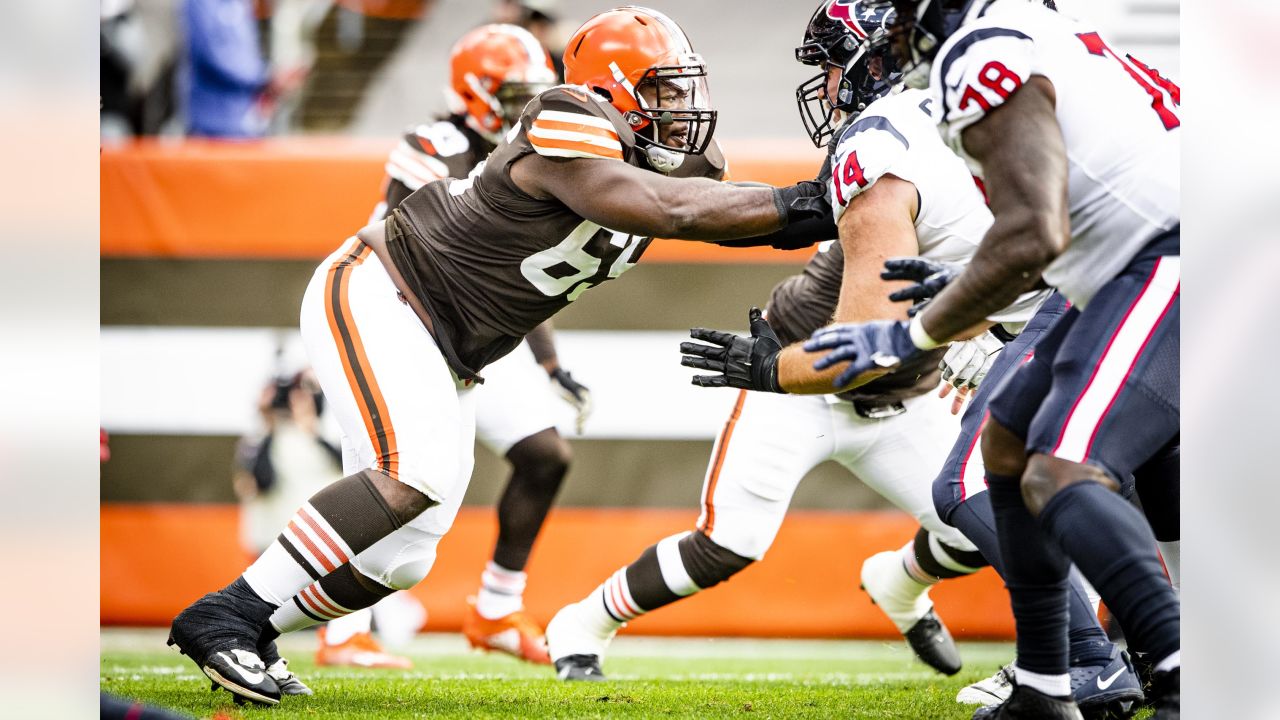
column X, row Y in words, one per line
column 206, row 247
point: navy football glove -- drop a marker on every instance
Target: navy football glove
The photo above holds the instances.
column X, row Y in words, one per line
column 874, row 346
column 929, row 276
column 750, row 363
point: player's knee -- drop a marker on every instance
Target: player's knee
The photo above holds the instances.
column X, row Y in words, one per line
column 707, row 563
column 1045, row 476
column 1003, row 452
column 544, row 454
column 399, row 495
column 405, row 568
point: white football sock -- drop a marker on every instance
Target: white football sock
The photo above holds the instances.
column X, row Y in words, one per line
column 1055, row 685
column 501, row 591
column 1171, row 553
column 341, row 630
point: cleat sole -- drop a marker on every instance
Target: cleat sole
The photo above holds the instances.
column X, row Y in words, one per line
column 236, row 689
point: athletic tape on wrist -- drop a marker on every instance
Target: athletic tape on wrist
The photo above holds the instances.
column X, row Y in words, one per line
column 919, row 337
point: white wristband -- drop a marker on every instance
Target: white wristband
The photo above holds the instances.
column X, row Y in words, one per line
column 919, row 337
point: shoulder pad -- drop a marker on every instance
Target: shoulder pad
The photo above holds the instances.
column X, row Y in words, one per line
column 868, row 148
column 977, row 71
column 570, row 121
column 429, row 152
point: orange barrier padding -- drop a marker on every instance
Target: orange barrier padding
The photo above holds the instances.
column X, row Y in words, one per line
column 157, row 558
column 299, row 198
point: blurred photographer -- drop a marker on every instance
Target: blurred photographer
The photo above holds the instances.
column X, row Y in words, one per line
column 279, row 470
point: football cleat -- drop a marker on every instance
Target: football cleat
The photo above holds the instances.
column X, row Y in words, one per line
column 515, row 634
column 288, row 683
column 988, row 691
column 577, row 650
column 219, row 633
column 907, row 604
column 1107, row 692
column 278, row 669
column 1166, row 695
column 1026, row 703
column 572, row 668
column 360, row 650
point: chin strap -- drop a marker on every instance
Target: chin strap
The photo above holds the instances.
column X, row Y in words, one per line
column 663, row 160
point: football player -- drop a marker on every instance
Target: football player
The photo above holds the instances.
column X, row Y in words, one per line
column 1078, row 147
column 494, row 71
column 401, row 319
column 897, row 190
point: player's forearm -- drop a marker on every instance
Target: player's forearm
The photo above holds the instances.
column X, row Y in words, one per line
column 1017, row 248
column 797, row 376
column 543, row 345
column 720, row 211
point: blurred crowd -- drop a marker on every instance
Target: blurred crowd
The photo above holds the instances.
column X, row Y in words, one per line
column 245, row 69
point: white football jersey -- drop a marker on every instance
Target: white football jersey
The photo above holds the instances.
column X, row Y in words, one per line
column 897, row 135
column 1118, row 120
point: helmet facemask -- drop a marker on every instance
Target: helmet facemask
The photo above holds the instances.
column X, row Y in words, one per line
column 867, row 71
column 674, row 116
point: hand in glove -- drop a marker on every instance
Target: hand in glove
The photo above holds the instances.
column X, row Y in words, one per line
column 574, row 393
column 750, row 363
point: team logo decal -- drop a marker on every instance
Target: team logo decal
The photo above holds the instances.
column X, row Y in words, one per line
column 842, row 10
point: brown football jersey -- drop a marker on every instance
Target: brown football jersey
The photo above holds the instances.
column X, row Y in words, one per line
column 805, row 302
column 440, row 149
column 490, row 262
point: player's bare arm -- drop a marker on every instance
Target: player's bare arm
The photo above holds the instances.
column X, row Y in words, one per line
column 878, row 224
column 627, row 199
column 1020, row 146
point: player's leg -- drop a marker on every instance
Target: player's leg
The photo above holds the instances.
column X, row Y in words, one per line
column 1159, row 489
column 1110, row 406
column 961, row 498
column 515, row 418
column 1114, row 407
column 765, row 448
column 357, row 334
column 897, row 457
column 396, row 562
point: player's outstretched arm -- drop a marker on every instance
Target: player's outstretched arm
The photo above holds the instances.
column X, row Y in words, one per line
column 1019, row 145
column 877, row 225
column 627, row 199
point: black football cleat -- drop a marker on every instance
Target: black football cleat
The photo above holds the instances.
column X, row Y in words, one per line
column 219, row 632
column 1025, row 703
column 573, row 668
column 1107, row 692
column 932, row 643
column 1166, row 695
column 278, row 669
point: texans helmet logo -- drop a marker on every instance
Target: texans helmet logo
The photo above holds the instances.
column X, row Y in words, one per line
column 842, row 10
column 862, row 19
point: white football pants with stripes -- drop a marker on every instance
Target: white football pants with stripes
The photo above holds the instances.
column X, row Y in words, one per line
column 771, row 441
column 400, row 407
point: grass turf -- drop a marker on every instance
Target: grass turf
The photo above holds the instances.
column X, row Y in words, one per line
column 659, row 678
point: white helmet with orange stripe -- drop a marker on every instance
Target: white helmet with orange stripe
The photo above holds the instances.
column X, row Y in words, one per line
column 494, row 71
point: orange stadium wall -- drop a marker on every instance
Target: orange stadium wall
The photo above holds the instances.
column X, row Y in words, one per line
column 153, row 566
column 301, row 197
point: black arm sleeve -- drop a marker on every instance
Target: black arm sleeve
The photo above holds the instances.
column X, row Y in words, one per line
column 795, row 236
column 542, row 343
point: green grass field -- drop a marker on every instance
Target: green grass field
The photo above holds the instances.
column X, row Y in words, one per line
column 649, row 677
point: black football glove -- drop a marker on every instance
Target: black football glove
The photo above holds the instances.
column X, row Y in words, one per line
column 750, row 363
column 806, row 199
column 574, row 393
column 929, row 276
